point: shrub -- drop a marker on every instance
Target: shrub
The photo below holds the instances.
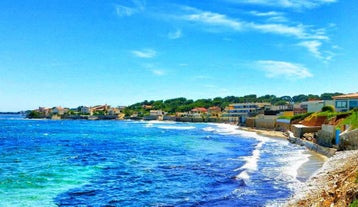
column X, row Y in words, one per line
column 327, row 108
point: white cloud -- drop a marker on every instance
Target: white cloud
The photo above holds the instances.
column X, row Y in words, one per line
column 295, row 4
column 124, row 11
column 145, row 53
column 175, row 35
column 136, row 7
column 288, row 70
column 272, row 16
column 158, row 72
column 153, row 68
column 265, row 14
column 213, row 19
column 313, row 47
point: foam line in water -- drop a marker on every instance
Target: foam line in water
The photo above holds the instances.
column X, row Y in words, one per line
column 176, row 127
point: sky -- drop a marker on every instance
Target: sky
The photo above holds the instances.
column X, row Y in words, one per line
column 118, row 52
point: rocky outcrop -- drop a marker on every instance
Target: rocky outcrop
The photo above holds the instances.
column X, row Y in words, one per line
column 335, row 184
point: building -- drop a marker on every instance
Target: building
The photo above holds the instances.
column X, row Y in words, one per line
column 86, row 110
column 59, row 110
column 312, row 106
column 240, row 111
column 346, row 102
column 214, row 111
column 198, row 112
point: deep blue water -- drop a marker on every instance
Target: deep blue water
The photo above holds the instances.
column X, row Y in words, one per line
column 125, row 163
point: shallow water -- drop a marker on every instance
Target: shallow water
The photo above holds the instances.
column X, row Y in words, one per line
column 125, row 163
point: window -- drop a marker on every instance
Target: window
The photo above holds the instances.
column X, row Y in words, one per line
column 341, row 104
column 353, row 104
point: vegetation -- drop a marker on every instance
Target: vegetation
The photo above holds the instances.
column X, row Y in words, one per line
column 35, row 115
column 354, row 203
column 352, row 120
column 328, row 108
column 300, row 117
column 182, row 104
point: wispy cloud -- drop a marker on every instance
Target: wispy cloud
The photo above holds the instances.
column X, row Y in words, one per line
column 295, row 4
column 299, row 31
column 154, row 69
column 211, row 18
column 175, row 35
column 288, row 70
column 309, row 37
column 144, row 53
column 135, row 6
column 313, row 47
column 271, row 16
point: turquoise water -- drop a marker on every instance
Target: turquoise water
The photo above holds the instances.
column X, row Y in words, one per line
column 125, row 163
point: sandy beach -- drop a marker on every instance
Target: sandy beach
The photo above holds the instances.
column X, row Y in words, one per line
column 267, row 133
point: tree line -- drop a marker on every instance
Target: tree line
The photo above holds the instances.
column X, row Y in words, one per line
column 182, row 104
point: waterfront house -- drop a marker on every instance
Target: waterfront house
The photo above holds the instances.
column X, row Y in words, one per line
column 59, row 110
column 86, row 110
column 214, row 111
column 346, row 102
column 198, row 112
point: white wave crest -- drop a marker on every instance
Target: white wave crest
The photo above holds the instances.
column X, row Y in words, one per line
column 176, row 127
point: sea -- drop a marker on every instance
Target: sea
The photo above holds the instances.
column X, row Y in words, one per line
column 138, row 163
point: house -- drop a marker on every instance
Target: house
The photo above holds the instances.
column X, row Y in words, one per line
column 214, row 111
column 86, row 110
column 198, row 112
column 156, row 113
column 114, row 111
column 312, row 106
column 59, row 110
column 346, row 102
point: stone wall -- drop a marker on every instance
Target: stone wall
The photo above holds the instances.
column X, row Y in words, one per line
column 349, row 140
column 326, row 136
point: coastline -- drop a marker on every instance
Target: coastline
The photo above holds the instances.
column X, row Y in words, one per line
column 335, row 184
column 332, row 176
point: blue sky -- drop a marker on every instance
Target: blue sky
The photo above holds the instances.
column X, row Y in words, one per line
column 118, row 52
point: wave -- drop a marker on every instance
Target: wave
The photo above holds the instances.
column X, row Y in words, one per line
column 251, row 163
column 176, row 127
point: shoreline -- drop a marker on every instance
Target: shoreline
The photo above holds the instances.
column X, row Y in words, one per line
column 334, row 184
column 332, row 176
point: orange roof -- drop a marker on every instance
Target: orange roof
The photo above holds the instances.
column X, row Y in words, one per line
column 349, row 95
column 199, row 109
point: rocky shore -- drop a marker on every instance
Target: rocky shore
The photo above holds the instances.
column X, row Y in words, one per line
column 335, row 184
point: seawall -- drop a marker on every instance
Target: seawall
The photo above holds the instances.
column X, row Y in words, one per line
column 329, row 152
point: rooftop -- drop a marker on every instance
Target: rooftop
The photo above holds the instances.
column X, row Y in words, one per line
column 349, row 95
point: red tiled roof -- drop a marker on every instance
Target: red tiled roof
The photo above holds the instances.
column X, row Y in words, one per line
column 199, row 109
column 349, row 95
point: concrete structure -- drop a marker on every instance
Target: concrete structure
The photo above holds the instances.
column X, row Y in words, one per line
column 346, row 102
column 283, row 124
column 326, row 135
column 299, row 130
column 265, row 122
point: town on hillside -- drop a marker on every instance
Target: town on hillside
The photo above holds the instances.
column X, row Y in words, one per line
column 329, row 121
